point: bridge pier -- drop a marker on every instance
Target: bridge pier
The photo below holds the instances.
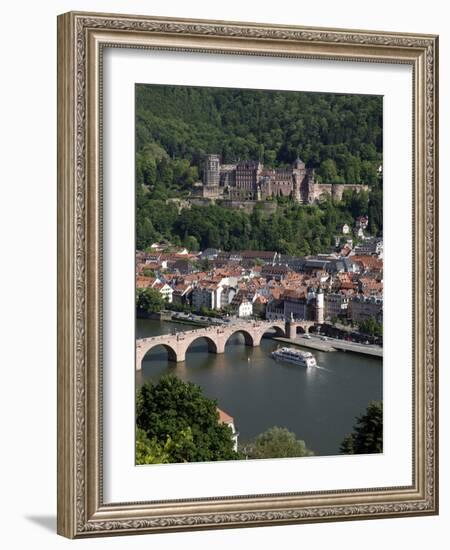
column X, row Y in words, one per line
column 291, row 331
column 291, row 328
column 220, row 346
column 180, row 356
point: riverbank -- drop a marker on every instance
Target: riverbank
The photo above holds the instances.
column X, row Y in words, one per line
column 304, row 343
column 333, row 344
column 189, row 322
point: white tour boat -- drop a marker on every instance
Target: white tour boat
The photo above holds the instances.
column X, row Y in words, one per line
column 291, row 355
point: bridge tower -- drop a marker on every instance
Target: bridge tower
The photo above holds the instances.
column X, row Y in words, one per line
column 320, row 307
column 290, row 327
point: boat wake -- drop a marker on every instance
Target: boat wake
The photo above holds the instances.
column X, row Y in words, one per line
column 323, row 368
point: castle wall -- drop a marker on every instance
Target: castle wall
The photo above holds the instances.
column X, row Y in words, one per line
column 338, row 189
column 317, row 190
column 211, row 191
column 335, row 190
column 281, row 188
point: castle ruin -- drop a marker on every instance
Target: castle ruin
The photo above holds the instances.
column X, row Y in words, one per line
column 249, row 180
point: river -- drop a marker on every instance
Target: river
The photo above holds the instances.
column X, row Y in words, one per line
column 319, row 405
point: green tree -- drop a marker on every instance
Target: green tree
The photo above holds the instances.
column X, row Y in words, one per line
column 371, row 326
column 172, row 407
column 367, row 435
column 328, row 171
column 369, row 173
column 277, row 443
column 376, row 211
column 182, row 123
column 191, row 243
column 149, row 300
column 149, row 451
column 145, row 232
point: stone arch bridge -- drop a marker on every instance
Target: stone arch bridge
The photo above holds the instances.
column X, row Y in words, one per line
column 216, row 337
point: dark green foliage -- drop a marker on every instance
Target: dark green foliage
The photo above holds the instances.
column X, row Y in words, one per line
column 371, row 326
column 367, row 435
column 376, row 211
column 292, row 229
column 272, row 126
column 176, row 411
column 149, row 300
column 277, row 443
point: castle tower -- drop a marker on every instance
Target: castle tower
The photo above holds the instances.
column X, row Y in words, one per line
column 319, row 307
column 301, row 185
column 211, row 170
column 296, row 195
column 299, row 165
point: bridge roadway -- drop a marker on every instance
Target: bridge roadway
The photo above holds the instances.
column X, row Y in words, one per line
column 216, row 337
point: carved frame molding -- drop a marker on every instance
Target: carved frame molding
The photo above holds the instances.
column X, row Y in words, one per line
column 81, row 38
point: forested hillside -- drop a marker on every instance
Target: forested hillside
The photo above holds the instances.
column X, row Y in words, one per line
column 292, row 229
column 274, row 127
column 340, row 136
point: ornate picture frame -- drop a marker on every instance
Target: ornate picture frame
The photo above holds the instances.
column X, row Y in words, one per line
column 82, row 38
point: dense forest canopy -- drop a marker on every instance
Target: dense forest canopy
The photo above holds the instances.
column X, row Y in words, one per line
column 293, row 229
column 340, row 136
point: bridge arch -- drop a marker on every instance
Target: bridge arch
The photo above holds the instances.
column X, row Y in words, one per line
column 248, row 336
column 212, row 345
column 171, row 352
column 279, row 331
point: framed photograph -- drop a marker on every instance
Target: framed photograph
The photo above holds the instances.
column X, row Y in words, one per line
column 247, row 283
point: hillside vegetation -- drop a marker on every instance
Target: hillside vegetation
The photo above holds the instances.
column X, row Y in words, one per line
column 340, row 136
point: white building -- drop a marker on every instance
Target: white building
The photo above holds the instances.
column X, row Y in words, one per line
column 165, row 290
column 245, row 309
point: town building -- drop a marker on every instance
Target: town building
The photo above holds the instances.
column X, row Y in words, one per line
column 370, row 247
column 182, row 294
column 275, row 272
column 297, row 306
column 336, row 305
column 165, row 290
column 228, row 293
column 364, row 307
column 207, row 295
column 242, row 305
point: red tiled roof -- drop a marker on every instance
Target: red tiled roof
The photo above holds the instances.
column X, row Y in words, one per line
column 369, row 262
column 224, row 417
column 144, row 282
